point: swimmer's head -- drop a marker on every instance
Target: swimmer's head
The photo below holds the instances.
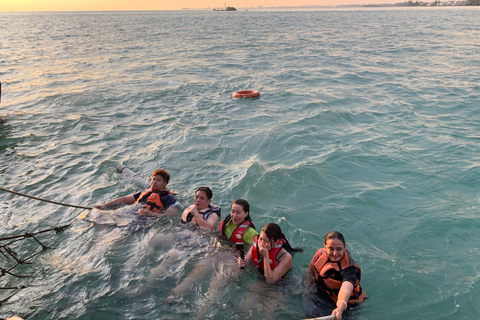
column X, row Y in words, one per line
column 334, row 235
column 207, row 191
column 160, row 180
column 243, row 203
column 162, row 173
column 240, row 212
column 203, row 197
column 273, row 232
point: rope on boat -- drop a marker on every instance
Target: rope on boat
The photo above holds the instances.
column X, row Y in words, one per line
column 7, row 252
column 45, row 200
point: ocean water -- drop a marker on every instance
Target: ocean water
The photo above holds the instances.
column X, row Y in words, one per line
column 367, row 123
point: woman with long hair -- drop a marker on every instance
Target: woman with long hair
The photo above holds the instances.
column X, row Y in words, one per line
column 271, row 253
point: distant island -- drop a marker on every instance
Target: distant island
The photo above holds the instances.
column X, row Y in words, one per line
column 226, row 9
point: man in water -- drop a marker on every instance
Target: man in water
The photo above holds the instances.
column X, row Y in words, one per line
column 156, row 200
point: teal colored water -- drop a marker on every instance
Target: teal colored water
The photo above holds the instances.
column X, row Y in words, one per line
column 367, row 123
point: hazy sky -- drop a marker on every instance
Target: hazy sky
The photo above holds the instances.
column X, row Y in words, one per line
column 88, row 5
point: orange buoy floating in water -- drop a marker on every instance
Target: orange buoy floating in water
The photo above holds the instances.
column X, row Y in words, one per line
column 245, row 94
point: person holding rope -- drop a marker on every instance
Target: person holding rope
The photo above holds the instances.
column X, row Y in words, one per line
column 156, row 200
column 334, row 271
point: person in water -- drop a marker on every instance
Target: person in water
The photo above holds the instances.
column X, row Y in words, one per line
column 334, row 271
column 202, row 212
column 271, row 253
column 238, row 227
column 156, row 200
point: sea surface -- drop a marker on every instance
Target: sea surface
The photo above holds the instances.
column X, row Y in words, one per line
column 368, row 123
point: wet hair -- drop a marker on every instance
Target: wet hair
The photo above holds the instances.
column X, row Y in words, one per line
column 162, row 173
column 334, row 235
column 246, row 207
column 274, row 233
column 207, row 191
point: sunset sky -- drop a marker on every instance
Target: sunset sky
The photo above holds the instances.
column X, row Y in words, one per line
column 94, row 5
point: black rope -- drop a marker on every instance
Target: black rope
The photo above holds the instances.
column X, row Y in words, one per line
column 40, row 199
column 13, row 288
column 5, row 272
column 7, row 252
column 26, row 235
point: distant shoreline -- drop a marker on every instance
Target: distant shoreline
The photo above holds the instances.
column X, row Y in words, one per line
column 409, row 4
column 380, row 5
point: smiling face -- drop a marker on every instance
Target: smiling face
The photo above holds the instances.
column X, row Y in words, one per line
column 335, row 249
column 238, row 214
column 201, row 200
column 157, row 183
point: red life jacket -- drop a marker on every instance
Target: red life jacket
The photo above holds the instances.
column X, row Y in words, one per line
column 257, row 258
column 237, row 234
column 328, row 275
column 152, row 199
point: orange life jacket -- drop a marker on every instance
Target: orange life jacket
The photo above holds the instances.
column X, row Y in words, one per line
column 152, row 199
column 328, row 275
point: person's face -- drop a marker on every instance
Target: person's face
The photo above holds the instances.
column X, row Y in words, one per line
column 335, row 249
column 201, row 201
column 264, row 241
column 158, row 183
column 237, row 214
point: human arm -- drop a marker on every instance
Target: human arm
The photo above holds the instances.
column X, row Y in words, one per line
column 284, row 264
column 308, row 286
column 125, row 199
column 198, row 218
column 343, row 296
column 171, row 211
column 309, row 281
column 208, row 224
column 310, row 274
column 185, row 213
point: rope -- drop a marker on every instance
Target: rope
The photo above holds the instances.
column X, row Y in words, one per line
column 49, row 201
column 7, row 252
column 332, row 317
column 30, row 235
